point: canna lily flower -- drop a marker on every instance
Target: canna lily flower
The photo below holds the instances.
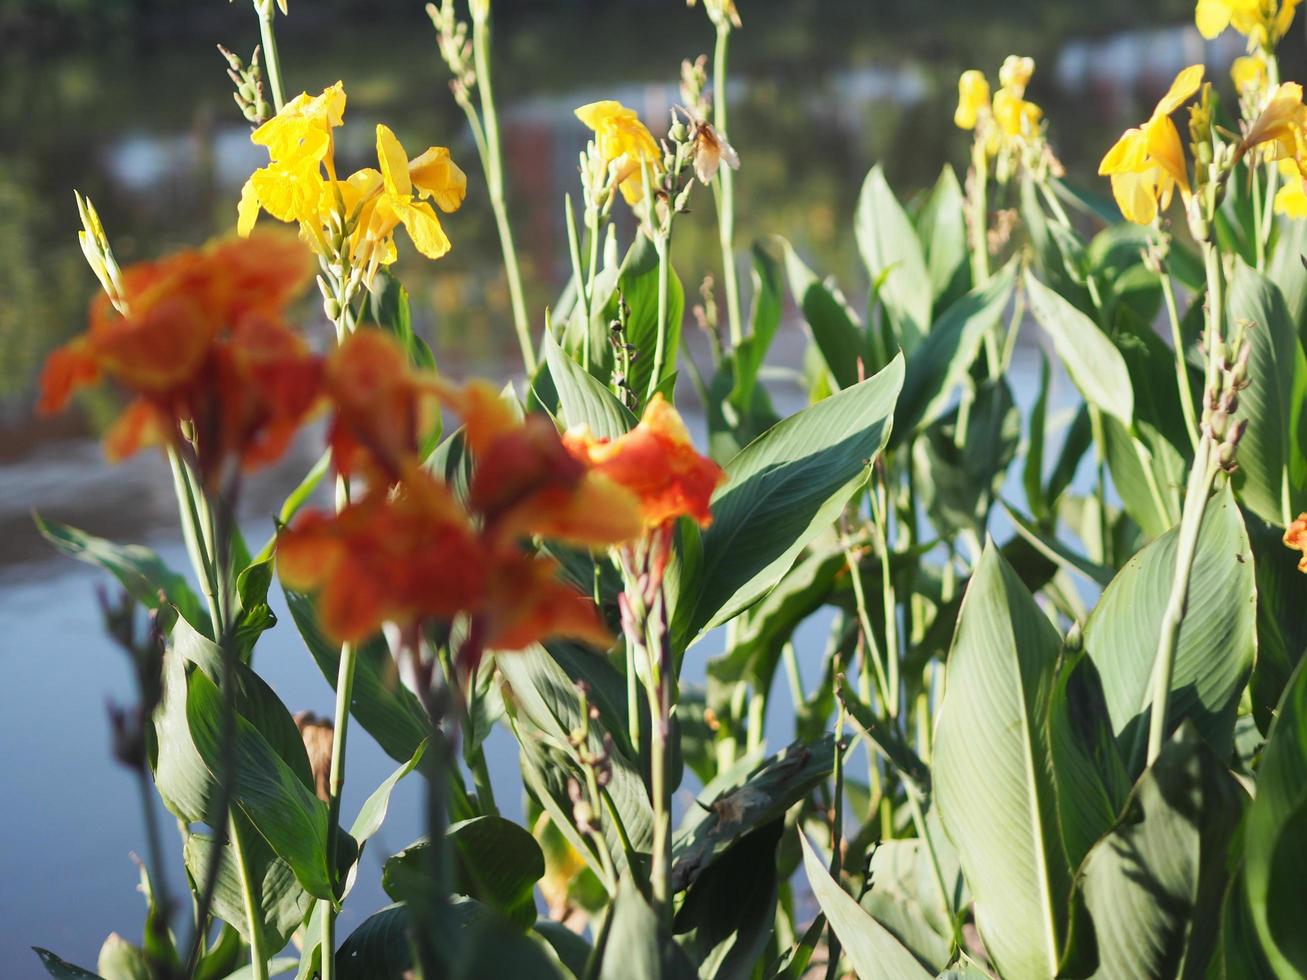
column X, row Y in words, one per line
column 657, row 462
column 1295, row 537
column 383, row 407
column 711, row 149
column 1263, row 22
column 1006, row 117
column 397, row 194
column 720, row 11
column 1249, row 74
column 202, row 345
column 973, row 99
column 1281, row 124
column 1147, row 163
column 1291, row 198
column 403, row 558
column 527, row 603
column 300, row 145
column 626, row 147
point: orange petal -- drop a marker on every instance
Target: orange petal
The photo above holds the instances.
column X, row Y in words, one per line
column 68, row 368
column 139, row 425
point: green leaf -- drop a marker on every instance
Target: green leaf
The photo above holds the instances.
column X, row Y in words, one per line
column 1214, row 650
column 382, row 704
column 994, row 782
column 373, row 812
column 751, row 794
column 781, row 491
column 498, row 864
column 61, row 969
column 872, row 950
column 139, row 570
column 638, row 947
column 1272, row 474
column 1091, row 359
column 731, row 907
column 583, row 399
column 904, row 895
column 1276, row 860
column 276, row 967
column 839, row 339
column 1286, row 269
column 944, row 357
column 1153, row 886
column 942, row 229
column 291, row 819
column 283, row 901
column 389, row 308
column 120, row 960
column 378, row 949
column 638, row 284
column 1055, row 550
column 768, row 279
column 1281, row 617
column 891, row 251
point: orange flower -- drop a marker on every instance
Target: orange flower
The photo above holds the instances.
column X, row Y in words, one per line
column 400, row 558
column 657, row 462
column 527, row 483
column 383, row 406
column 526, row 603
column 202, row 342
column 1295, row 537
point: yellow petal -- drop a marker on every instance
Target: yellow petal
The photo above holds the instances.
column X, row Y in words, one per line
column 1015, row 73
column 973, row 98
column 1291, row 199
column 1165, row 149
column 436, row 176
column 595, row 114
column 1127, row 155
column 394, row 163
column 424, row 228
column 247, row 210
column 1135, row 196
column 1186, row 84
column 1248, row 73
column 1212, row 17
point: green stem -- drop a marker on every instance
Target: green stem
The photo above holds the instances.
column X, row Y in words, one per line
column 726, row 198
column 1259, row 243
column 979, row 224
column 880, row 513
column 864, row 620
column 271, row 61
column 663, row 244
column 757, row 716
column 1201, row 475
column 195, row 536
column 253, row 908
column 492, row 160
column 578, row 276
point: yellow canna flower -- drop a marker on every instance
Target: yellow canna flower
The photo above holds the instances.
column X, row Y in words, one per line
column 626, row 147
column 1291, row 198
column 1280, row 125
column 1249, row 74
column 1015, row 74
column 1147, row 163
column 1014, row 115
column 1263, row 22
column 397, row 194
column 720, row 11
column 973, row 99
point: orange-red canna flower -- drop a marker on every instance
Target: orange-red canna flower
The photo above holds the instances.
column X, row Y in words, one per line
column 526, row 603
column 527, row 483
column 1295, row 537
column 657, row 462
column 383, row 406
column 202, row 342
column 397, row 557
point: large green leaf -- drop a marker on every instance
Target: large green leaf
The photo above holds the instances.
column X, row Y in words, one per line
column 268, row 792
column 1214, row 650
column 1272, row 474
column 1092, row 361
column 382, row 704
column 768, row 282
column 781, row 491
column 1153, row 886
column 61, row 969
column 638, row 947
column 139, row 570
column 583, row 399
column 1287, row 271
column 638, row 285
column 283, row 901
column 1276, row 837
column 943, row 359
column 872, row 950
column 942, row 228
column 890, row 249
column 905, row 894
column 1281, row 617
column 996, row 741
column 838, row 337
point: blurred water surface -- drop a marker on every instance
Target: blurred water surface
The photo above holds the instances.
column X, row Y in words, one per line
column 149, row 132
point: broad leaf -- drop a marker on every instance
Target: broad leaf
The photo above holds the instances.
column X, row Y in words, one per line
column 840, row 340
column 1281, row 617
column 1214, row 650
column 890, row 249
column 872, row 950
column 583, row 399
column 61, row 969
column 942, row 228
column 781, row 491
column 638, row 947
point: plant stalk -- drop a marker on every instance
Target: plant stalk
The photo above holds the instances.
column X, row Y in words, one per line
column 725, row 199
column 271, row 61
column 253, row 907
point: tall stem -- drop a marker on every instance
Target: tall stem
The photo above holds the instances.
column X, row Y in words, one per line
column 267, row 11
column 726, row 197
column 253, row 907
column 1201, row 475
column 663, row 244
column 979, row 224
column 493, row 163
column 1181, row 368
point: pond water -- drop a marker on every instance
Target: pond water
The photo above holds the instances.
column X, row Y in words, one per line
column 149, row 133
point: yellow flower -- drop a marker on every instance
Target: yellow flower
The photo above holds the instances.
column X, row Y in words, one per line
column 1147, row 163
column 720, row 11
column 973, row 99
column 1280, row 124
column 396, row 194
column 626, row 147
column 1291, row 198
column 1015, row 74
column 1263, row 22
column 1249, row 74
column 1014, row 115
